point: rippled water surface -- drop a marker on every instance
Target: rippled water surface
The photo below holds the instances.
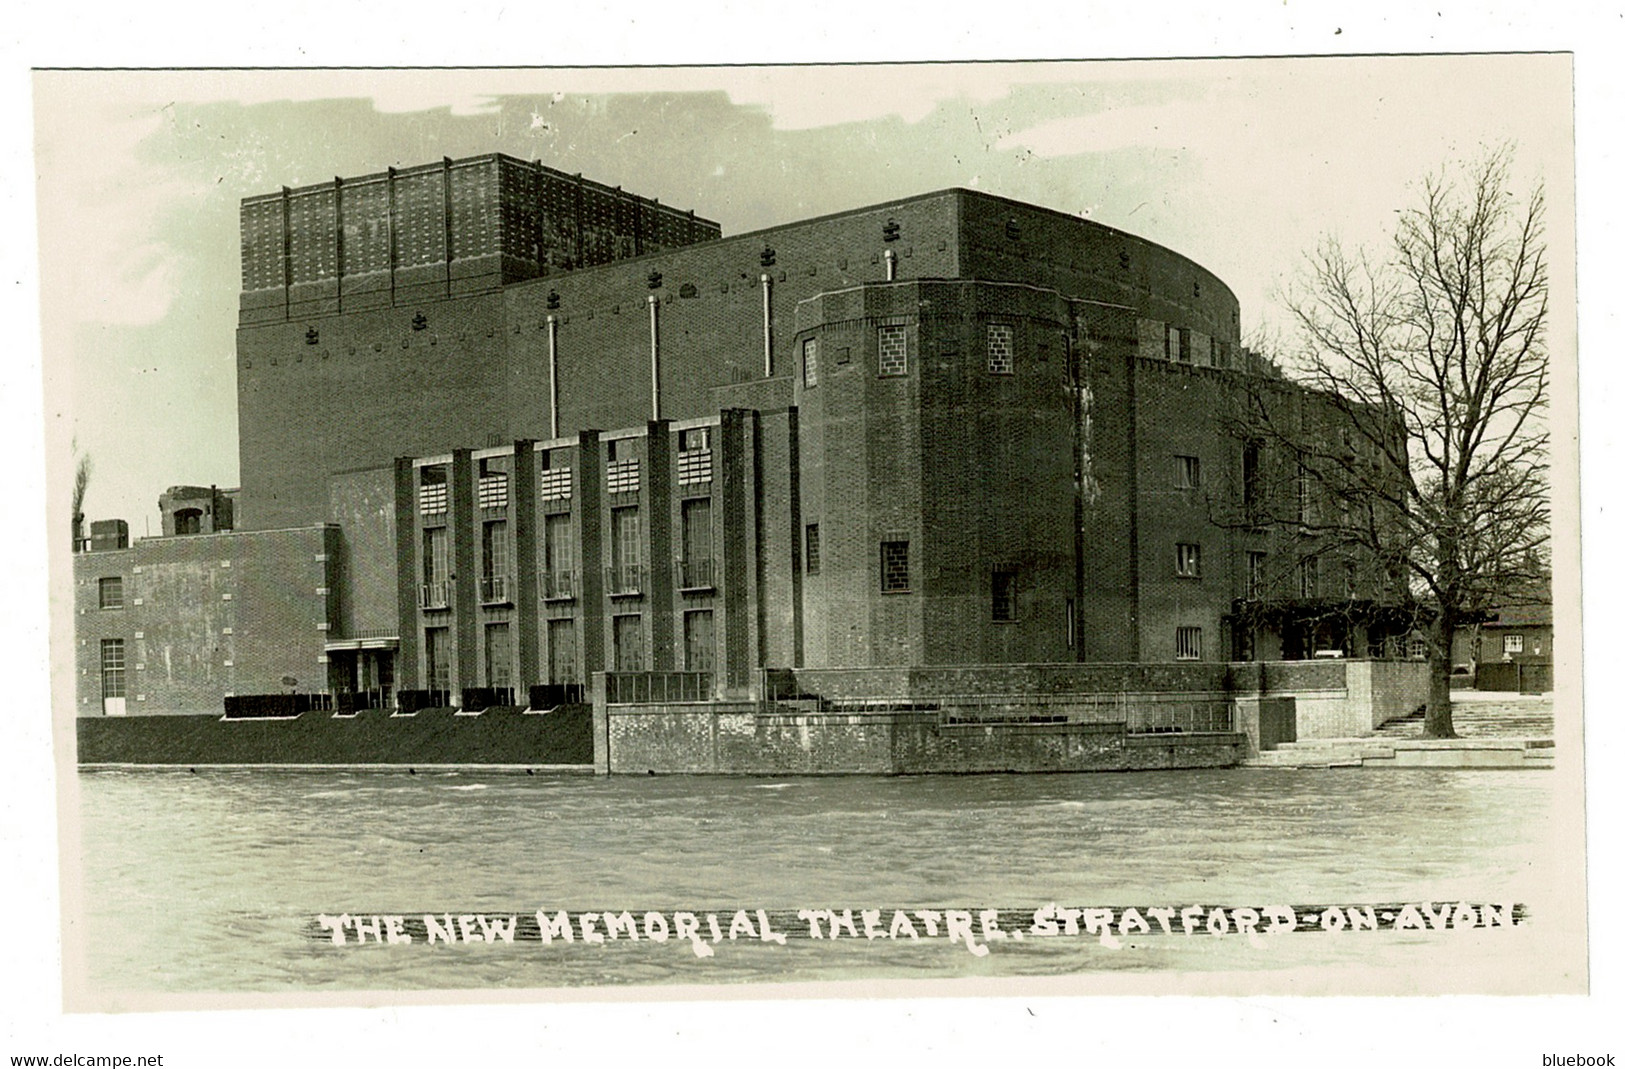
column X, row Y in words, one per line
column 209, row 882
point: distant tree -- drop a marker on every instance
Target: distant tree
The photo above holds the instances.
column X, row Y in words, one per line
column 1430, row 370
column 81, row 483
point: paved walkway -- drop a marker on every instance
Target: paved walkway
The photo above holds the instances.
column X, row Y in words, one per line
column 1497, row 730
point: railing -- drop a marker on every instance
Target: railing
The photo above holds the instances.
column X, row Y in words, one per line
column 1136, row 717
column 494, row 590
column 557, row 586
column 434, row 595
column 624, row 580
column 1160, row 719
column 651, row 688
column 697, row 574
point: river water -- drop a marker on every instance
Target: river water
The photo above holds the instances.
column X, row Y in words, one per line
column 212, row 881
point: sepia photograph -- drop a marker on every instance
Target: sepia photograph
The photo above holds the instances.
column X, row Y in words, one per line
column 912, row 530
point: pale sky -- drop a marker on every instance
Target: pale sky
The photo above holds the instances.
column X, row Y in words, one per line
column 1239, row 164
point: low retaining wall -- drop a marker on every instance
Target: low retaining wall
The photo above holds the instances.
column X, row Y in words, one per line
column 740, row 738
column 1339, row 699
column 431, row 737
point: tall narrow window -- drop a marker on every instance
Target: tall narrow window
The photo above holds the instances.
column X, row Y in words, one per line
column 494, row 562
column 110, row 592
column 436, row 569
column 1004, row 595
column 558, row 557
column 893, row 566
column 1188, row 560
column 1188, row 643
column 699, row 641
column 1001, row 349
column 893, row 350
column 561, row 652
column 437, row 657
column 629, row 643
column 626, row 551
column 696, row 564
column 1309, row 578
column 1252, row 478
column 1255, row 574
column 1187, row 472
column 498, row 657
column 112, row 668
column 809, row 362
column 814, row 550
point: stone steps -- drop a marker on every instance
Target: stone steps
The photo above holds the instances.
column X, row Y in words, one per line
column 1409, row 753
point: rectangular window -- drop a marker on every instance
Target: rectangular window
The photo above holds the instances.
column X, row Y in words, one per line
column 696, row 565
column 494, row 562
column 558, row 557
column 1349, row 578
column 893, row 350
column 1187, row 643
column 629, row 643
column 1071, row 623
column 561, row 652
column 809, row 362
column 1188, row 559
column 110, row 592
column 814, row 550
column 437, row 657
column 626, row 551
column 622, row 476
column 693, row 438
column 555, row 484
column 112, row 668
column 498, row 656
column 893, row 566
column 699, row 641
column 1004, row 595
column 1252, row 478
column 1001, row 349
column 493, row 490
column 432, row 490
column 436, row 569
column 1255, row 574
column 1187, row 473
column 1511, row 643
column 1309, row 578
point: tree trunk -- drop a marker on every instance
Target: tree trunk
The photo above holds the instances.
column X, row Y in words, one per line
column 1437, row 723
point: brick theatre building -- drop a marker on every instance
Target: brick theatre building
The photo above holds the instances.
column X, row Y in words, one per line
column 503, row 428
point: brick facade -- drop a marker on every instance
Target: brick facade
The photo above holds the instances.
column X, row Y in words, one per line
column 941, row 431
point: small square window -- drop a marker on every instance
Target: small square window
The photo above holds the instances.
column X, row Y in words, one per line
column 1188, row 643
column 1004, row 595
column 110, row 592
column 1511, row 643
column 893, row 567
column 1188, row 559
column 893, row 350
column 809, row 362
column 1187, row 473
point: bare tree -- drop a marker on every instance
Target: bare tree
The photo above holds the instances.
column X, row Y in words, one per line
column 81, row 483
column 1431, row 364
